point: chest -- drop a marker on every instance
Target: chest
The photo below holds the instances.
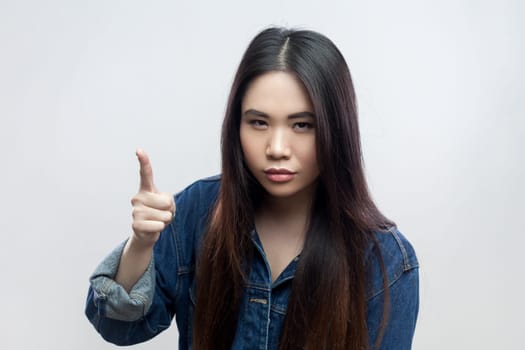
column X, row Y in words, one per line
column 280, row 246
column 263, row 306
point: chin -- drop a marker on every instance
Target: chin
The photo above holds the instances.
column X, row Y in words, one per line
column 281, row 194
column 287, row 190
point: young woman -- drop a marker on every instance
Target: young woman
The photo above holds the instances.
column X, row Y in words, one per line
column 285, row 249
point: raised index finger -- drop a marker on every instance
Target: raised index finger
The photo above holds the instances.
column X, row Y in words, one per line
column 146, row 172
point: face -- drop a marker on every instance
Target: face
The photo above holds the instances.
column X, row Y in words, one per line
column 277, row 135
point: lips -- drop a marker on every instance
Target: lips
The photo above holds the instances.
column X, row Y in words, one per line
column 278, row 171
column 279, row 174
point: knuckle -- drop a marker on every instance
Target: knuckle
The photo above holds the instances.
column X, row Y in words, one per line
column 157, row 227
column 166, row 200
column 135, row 226
column 138, row 211
column 137, row 199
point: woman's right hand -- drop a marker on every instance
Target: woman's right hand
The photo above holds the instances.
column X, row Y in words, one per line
column 152, row 210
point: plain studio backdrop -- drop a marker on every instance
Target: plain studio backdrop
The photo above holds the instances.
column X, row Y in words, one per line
column 84, row 83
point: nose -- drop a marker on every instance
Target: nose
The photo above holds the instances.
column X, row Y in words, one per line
column 278, row 146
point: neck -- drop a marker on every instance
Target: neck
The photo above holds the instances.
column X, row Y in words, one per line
column 288, row 208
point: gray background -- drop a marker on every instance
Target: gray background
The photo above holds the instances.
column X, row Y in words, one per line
column 83, row 84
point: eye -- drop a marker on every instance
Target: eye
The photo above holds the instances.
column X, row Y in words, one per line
column 303, row 126
column 258, row 123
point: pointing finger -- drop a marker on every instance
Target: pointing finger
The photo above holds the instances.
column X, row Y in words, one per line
column 146, row 172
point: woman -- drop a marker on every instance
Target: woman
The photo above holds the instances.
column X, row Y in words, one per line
column 284, row 250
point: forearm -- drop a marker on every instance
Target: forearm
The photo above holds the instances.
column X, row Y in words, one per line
column 134, row 261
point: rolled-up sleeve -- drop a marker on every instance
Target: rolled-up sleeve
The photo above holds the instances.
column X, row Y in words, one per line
column 115, row 300
column 128, row 318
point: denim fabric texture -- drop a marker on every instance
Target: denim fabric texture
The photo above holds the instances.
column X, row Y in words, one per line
column 167, row 288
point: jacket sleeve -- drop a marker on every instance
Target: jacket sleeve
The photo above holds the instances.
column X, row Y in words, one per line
column 402, row 269
column 147, row 310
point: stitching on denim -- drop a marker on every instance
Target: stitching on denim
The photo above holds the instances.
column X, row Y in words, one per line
column 181, row 271
column 137, row 296
column 282, row 281
column 397, row 272
column 212, row 178
column 261, row 287
column 106, row 285
column 279, row 309
column 394, row 279
column 174, row 229
column 406, row 265
column 392, row 283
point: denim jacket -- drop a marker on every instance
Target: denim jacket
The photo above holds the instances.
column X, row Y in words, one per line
column 167, row 288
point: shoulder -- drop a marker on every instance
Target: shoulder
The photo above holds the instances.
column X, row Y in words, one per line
column 207, row 185
column 199, row 194
column 402, row 300
column 194, row 203
column 193, row 206
column 398, row 255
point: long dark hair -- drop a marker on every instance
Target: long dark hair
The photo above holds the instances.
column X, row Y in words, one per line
column 327, row 305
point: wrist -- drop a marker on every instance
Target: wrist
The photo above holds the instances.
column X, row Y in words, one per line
column 139, row 244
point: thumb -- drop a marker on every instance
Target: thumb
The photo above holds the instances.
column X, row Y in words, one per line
column 146, row 172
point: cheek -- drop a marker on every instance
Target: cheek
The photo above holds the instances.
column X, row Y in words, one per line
column 247, row 147
column 308, row 154
column 242, row 138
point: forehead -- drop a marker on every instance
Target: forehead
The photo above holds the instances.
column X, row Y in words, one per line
column 277, row 93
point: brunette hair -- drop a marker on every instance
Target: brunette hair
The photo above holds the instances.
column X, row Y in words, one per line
column 327, row 305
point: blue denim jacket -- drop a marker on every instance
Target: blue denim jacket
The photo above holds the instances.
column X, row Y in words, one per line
column 167, row 288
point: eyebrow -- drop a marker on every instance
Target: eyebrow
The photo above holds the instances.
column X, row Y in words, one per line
column 297, row 115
